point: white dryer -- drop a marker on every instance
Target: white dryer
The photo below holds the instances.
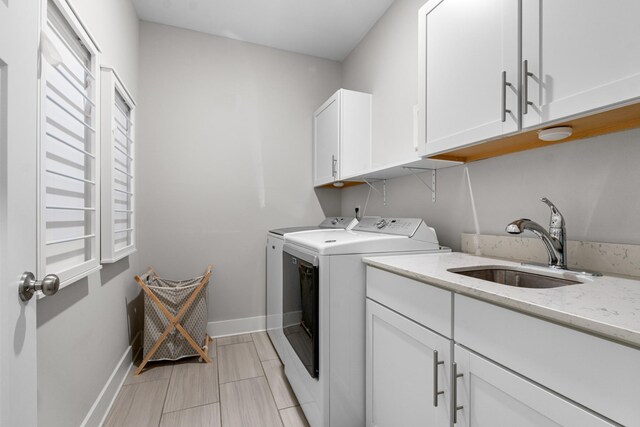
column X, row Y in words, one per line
column 323, row 320
column 275, row 241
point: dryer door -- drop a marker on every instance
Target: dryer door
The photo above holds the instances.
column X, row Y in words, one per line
column 300, row 295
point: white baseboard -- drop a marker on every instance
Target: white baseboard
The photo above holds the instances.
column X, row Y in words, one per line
column 292, row 318
column 100, row 408
column 236, row 326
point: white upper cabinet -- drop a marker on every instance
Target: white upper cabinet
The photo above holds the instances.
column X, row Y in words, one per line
column 326, row 141
column 488, row 69
column 582, row 55
column 469, row 56
column 342, row 137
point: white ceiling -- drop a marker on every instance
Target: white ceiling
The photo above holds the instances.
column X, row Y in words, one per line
column 325, row 28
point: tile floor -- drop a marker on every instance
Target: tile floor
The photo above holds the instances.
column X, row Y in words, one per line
column 244, row 386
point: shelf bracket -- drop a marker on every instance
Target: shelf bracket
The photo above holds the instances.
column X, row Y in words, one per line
column 383, row 193
column 431, row 187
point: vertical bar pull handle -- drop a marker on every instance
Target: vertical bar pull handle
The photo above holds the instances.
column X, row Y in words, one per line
column 525, row 88
column 505, row 83
column 333, row 165
column 454, row 392
column 436, row 392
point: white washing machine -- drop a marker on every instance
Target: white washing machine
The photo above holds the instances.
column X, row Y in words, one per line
column 323, row 320
column 275, row 241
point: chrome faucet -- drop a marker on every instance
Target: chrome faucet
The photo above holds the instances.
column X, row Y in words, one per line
column 555, row 240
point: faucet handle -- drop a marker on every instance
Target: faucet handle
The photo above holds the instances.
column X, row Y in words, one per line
column 557, row 220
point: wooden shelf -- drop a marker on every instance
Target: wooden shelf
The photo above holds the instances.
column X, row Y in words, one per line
column 615, row 120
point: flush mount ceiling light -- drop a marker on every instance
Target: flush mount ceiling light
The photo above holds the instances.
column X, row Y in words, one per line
column 555, row 134
column 338, row 184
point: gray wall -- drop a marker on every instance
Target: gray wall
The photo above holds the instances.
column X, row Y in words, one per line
column 594, row 182
column 224, row 154
column 83, row 331
column 385, row 63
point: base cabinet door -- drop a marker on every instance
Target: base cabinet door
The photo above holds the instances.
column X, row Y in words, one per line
column 577, row 56
column 407, row 372
column 487, row 395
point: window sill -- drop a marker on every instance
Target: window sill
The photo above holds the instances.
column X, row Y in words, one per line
column 74, row 279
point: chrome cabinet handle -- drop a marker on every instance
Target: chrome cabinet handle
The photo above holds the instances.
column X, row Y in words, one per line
column 525, row 88
column 28, row 285
column 454, row 392
column 436, row 392
column 333, row 165
column 505, row 83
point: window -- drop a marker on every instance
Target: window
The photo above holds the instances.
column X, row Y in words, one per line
column 69, row 216
column 117, row 107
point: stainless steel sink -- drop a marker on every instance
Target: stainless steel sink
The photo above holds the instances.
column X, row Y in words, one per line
column 514, row 277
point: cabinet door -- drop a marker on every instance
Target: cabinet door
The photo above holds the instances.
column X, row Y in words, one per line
column 469, row 71
column 401, row 387
column 326, row 141
column 355, row 145
column 582, row 55
column 491, row 396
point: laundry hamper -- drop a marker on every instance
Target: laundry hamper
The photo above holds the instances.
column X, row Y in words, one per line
column 175, row 317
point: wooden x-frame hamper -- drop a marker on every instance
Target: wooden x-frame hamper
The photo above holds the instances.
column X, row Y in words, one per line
column 173, row 320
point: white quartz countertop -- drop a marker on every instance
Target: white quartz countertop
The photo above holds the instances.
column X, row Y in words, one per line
column 608, row 306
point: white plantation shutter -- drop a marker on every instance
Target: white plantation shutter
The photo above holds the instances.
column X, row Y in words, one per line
column 118, row 230
column 68, row 182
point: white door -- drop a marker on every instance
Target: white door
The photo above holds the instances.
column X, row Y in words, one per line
column 19, row 33
column 401, row 360
column 491, row 396
column 469, row 71
column 326, row 141
column 582, row 55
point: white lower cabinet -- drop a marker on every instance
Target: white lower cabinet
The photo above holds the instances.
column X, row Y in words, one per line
column 489, row 395
column 407, row 371
column 501, row 367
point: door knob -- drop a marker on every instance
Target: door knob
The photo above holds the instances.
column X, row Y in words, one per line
column 29, row 285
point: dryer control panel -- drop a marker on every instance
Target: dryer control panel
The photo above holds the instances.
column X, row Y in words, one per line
column 397, row 226
column 337, row 222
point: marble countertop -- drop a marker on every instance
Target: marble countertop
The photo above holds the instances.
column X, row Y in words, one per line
column 608, row 306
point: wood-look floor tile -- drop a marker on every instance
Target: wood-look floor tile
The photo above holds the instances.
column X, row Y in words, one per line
column 279, row 385
column 213, row 344
column 138, row 405
column 152, row 371
column 264, row 346
column 233, row 339
column 293, row 417
column 248, row 403
column 192, row 384
column 200, row 416
column 238, row 362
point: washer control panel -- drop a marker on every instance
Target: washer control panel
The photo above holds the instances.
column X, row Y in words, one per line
column 399, row 226
column 337, row 222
